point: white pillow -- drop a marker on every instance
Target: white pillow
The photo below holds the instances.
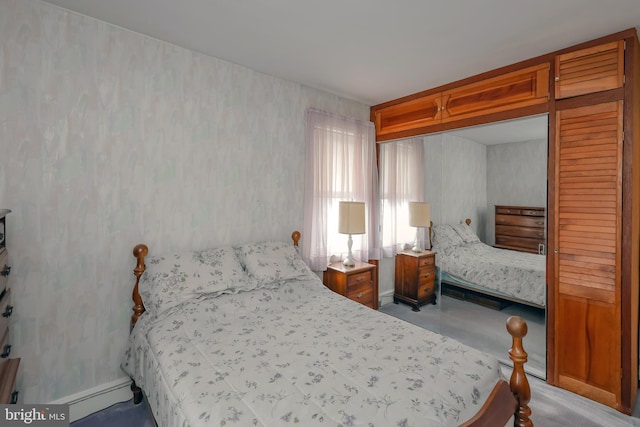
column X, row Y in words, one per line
column 445, row 238
column 466, row 233
column 273, row 261
column 172, row 279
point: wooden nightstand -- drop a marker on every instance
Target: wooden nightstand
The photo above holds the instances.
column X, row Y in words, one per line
column 415, row 278
column 357, row 283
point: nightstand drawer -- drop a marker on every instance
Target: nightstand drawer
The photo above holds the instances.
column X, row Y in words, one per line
column 425, row 290
column 359, row 278
column 362, row 293
column 426, row 275
column 427, row 262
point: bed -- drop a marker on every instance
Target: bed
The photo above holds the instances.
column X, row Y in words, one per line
column 248, row 335
column 466, row 263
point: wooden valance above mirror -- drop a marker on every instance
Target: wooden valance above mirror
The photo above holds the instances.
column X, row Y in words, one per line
column 518, row 90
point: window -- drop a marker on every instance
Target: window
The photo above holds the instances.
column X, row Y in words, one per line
column 340, row 165
column 401, row 181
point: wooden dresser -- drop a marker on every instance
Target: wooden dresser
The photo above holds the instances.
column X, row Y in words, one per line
column 357, row 283
column 521, row 228
column 8, row 366
column 415, row 278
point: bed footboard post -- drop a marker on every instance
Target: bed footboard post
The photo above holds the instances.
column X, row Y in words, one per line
column 137, row 393
column 139, row 252
column 519, row 384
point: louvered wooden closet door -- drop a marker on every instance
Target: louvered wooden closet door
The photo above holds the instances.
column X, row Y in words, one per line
column 588, row 224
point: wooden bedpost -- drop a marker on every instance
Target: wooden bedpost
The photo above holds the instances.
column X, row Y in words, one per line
column 519, row 384
column 296, row 237
column 139, row 252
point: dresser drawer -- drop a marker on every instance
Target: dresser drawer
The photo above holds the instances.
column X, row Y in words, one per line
column 362, row 292
column 4, row 269
column 5, row 349
column 508, row 211
column 8, row 375
column 533, row 212
column 516, row 231
column 518, row 243
column 524, row 221
column 6, row 309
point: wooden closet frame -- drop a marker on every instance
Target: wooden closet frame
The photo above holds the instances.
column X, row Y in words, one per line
column 630, row 181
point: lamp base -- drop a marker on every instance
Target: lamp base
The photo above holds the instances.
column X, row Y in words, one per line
column 348, row 261
column 417, row 249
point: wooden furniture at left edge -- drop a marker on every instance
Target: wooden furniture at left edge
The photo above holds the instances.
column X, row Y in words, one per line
column 593, row 205
column 507, row 399
column 8, row 366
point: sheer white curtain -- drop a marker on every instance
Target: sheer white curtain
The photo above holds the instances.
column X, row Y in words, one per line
column 401, row 181
column 340, row 165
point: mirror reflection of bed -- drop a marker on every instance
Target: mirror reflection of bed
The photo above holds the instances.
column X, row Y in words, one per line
column 473, row 173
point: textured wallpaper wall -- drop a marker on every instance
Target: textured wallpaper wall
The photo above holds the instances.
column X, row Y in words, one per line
column 110, row 138
column 456, row 180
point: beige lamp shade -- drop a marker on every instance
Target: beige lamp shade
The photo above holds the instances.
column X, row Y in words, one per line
column 352, row 218
column 419, row 214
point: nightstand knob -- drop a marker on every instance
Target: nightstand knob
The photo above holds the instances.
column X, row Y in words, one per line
column 360, row 279
column 360, row 295
column 427, row 275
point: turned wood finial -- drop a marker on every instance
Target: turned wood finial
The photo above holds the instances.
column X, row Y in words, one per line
column 519, row 384
column 296, row 237
column 468, row 221
column 139, row 252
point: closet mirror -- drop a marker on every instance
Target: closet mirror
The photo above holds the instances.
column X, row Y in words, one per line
column 495, row 175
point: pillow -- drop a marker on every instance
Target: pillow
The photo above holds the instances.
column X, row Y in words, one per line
column 172, row 279
column 466, row 233
column 273, row 261
column 445, row 238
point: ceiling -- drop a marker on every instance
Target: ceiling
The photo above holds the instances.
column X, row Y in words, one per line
column 370, row 51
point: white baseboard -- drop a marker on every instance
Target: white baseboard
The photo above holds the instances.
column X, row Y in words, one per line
column 97, row 398
column 385, row 297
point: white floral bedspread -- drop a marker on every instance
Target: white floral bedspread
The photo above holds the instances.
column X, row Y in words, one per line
column 299, row 354
column 517, row 274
